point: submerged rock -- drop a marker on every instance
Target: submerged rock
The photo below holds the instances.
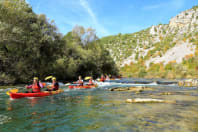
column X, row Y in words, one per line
column 167, row 82
column 4, row 119
column 131, row 89
column 147, row 100
column 144, row 100
column 166, row 93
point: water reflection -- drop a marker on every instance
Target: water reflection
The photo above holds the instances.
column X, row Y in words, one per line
column 9, row 105
column 33, row 101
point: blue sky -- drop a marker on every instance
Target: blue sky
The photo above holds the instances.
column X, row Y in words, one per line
column 110, row 17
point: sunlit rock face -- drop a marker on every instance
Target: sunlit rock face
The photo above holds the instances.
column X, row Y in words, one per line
column 176, row 36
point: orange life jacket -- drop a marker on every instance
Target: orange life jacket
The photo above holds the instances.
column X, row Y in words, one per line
column 90, row 82
column 36, row 88
column 102, row 79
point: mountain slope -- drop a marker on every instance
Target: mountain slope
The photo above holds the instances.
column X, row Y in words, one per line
column 162, row 44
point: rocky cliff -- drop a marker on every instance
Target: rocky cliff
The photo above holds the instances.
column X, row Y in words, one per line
column 161, row 44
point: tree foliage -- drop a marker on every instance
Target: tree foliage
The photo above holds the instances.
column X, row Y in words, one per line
column 30, row 45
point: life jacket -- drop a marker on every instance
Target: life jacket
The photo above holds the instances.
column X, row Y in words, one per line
column 80, row 82
column 36, row 88
column 55, row 86
column 102, row 79
column 90, row 82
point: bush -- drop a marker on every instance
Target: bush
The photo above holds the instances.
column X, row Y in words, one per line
column 6, row 79
column 142, row 73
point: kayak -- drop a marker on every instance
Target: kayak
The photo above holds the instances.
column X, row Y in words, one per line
column 40, row 94
column 85, row 86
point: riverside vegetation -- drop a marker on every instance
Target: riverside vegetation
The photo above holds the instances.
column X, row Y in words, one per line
column 30, row 45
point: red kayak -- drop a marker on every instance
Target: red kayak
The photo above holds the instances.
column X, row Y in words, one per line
column 40, row 94
column 85, row 86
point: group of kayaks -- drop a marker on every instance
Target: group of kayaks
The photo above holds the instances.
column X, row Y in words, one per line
column 14, row 95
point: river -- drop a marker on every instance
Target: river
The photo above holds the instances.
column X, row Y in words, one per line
column 100, row 109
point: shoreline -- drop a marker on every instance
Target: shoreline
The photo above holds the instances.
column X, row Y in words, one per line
column 192, row 82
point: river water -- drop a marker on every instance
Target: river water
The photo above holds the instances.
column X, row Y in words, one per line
column 100, row 109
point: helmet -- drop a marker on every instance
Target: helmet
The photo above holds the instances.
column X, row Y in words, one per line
column 54, row 78
column 36, row 78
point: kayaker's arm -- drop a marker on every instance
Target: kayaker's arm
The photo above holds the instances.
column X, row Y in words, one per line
column 41, row 84
column 29, row 87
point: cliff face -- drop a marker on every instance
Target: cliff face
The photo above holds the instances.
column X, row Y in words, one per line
column 162, row 44
column 186, row 20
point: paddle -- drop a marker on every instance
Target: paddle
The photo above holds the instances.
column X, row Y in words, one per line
column 12, row 91
column 87, row 78
column 48, row 77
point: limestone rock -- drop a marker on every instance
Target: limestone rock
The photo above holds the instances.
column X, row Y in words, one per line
column 144, row 100
column 131, row 89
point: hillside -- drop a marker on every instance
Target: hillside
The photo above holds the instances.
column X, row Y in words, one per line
column 165, row 45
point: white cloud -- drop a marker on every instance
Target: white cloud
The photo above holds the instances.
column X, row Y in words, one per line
column 94, row 19
column 71, row 13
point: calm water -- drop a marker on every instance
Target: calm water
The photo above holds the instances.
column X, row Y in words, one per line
column 102, row 110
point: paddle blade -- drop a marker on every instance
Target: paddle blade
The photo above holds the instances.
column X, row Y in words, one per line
column 8, row 92
column 49, row 77
column 87, row 78
column 12, row 91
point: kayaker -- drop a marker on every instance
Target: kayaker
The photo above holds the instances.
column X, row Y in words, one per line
column 36, row 87
column 80, row 81
column 54, row 86
column 102, row 79
column 91, row 81
column 107, row 77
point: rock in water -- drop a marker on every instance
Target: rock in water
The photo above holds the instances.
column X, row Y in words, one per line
column 144, row 100
column 131, row 89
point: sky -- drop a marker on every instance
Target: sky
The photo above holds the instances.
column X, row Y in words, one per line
column 110, row 17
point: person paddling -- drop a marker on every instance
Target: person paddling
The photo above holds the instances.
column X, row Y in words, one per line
column 54, row 86
column 102, row 79
column 91, row 81
column 36, row 86
column 107, row 77
column 80, row 81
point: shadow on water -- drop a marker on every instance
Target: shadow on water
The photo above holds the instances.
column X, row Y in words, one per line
column 102, row 110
